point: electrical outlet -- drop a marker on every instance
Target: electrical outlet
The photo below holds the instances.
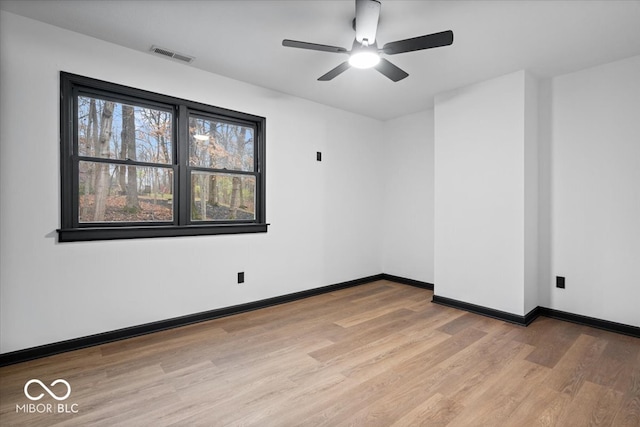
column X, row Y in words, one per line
column 318, row 156
column 560, row 282
column 241, row 277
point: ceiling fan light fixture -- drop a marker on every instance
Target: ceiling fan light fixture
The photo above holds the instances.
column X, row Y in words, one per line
column 364, row 59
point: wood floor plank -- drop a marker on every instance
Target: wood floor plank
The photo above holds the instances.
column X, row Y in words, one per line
column 468, row 374
column 500, row 401
column 549, row 351
column 467, row 320
column 570, row 371
column 390, row 355
column 613, row 368
column 378, row 354
column 436, row 411
column 364, row 316
column 542, row 407
column 594, row 405
column 403, row 378
column 371, row 330
column 306, row 391
column 629, row 411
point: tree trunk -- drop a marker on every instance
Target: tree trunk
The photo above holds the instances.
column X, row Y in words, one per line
column 213, row 191
column 235, row 196
column 122, row 170
column 204, row 183
column 166, row 184
column 102, row 169
column 241, row 196
column 160, row 121
column 90, row 142
column 129, row 141
column 93, row 126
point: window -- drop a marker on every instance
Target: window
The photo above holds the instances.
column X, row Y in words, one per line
column 137, row 164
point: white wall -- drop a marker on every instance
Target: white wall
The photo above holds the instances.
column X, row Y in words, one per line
column 323, row 215
column 407, row 173
column 480, row 191
column 588, row 180
column 531, row 193
column 595, row 192
column 544, row 191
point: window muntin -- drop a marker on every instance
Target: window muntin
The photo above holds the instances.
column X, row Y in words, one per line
column 140, row 164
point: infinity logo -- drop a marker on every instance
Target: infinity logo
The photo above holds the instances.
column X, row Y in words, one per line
column 47, row 389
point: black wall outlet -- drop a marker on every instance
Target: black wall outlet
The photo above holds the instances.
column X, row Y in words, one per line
column 319, row 156
column 241, row 277
column 560, row 282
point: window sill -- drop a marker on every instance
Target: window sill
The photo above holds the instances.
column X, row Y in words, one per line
column 145, row 232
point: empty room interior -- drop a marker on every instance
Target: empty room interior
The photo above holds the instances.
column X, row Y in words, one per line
column 319, row 213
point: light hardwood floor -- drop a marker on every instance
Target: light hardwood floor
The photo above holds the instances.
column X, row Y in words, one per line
column 379, row 354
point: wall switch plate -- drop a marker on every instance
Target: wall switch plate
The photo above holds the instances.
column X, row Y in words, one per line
column 319, row 156
column 560, row 282
column 241, row 277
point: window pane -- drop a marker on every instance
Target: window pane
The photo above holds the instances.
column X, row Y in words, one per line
column 222, row 197
column 121, row 193
column 120, row 131
column 220, row 145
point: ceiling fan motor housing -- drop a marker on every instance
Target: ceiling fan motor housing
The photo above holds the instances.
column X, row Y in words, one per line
column 366, row 22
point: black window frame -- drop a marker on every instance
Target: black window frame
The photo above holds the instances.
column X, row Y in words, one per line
column 71, row 229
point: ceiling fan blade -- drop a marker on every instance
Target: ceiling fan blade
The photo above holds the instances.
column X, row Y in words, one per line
column 388, row 69
column 335, row 72
column 444, row 38
column 313, row 46
column 366, row 24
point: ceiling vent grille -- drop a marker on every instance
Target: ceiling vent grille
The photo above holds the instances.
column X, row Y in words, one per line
column 171, row 54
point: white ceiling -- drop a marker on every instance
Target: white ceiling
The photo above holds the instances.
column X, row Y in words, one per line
column 242, row 40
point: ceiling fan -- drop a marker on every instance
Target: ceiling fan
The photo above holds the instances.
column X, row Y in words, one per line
column 365, row 53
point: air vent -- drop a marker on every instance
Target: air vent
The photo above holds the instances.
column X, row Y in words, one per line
column 171, row 54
